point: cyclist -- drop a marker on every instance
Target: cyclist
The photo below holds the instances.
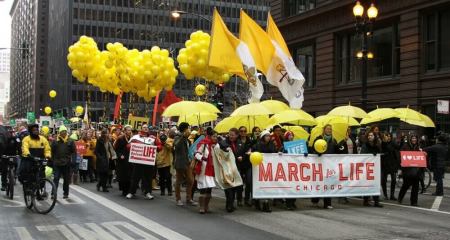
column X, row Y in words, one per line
column 11, row 148
column 33, row 145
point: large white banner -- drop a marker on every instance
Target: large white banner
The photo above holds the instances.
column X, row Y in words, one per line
column 330, row 175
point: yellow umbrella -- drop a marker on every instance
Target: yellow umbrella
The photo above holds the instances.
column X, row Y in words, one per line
column 407, row 114
column 326, row 119
column 299, row 132
column 379, row 114
column 425, row 122
column 226, row 124
column 348, row 111
column 251, row 109
column 189, row 107
column 339, row 131
column 198, row 118
column 275, row 106
column 294, row 116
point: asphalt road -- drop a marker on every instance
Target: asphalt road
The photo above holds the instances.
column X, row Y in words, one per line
column 89, row 214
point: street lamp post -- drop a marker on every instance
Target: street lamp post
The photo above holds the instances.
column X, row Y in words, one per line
column 364, row 26
column 176, row 14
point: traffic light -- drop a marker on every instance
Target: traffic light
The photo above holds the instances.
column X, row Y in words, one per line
column 218, row 98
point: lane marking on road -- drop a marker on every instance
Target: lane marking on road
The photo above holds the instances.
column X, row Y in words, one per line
column 23, row 233
column 411, row 207
column 144, row 222
column 436, row 203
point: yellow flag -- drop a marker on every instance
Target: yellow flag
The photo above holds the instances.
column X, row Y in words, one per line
column 258, row 42
column 275, row 34
column 222, row 49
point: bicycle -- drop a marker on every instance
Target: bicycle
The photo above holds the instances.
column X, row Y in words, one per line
column 39, row 192
column 427, row 177
column 11, row 175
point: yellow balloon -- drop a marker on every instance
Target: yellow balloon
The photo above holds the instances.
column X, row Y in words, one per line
column 200, row 90
column 79, row 110
column 45, row 130
column 48, row 110
column 256, row 158
column 320, row 146
column 52, row 93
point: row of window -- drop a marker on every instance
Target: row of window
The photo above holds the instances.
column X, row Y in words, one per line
column 385, row 46
column 295, row 7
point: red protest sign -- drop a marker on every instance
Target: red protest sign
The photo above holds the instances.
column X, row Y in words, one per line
column 81, row 148
column 413, row 159
column 143, row 153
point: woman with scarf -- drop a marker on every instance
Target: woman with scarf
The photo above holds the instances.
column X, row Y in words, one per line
column 105, row 153
column 264, row 145
column 390, row 163
column 411, row 175
column 122, row 147
column 371, row 146
column 204, row 169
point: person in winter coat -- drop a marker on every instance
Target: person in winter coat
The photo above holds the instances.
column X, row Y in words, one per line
column 277, row 137
column 371, row 146
column 89, row 143
column 231, row 143
column 264, row 145
column 123, row 168
column 105, row 153
column 410, row 175
column 332, row 148
column 143, row 172
column 390, row 163
column 182, row 165
column 10, row 148
column 164, row 161
column 438, row 155
column 204, row 171
column 62, row 150
column 244, row 166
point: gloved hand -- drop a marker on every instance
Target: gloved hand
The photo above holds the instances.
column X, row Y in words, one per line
column 305, row 154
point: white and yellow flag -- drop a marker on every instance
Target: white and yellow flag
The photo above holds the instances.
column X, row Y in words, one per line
column 282, row 71
column 231, row 54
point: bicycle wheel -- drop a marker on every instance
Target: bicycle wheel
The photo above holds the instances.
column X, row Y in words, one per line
column 11, row 183
column 28, row 195
column 427, row 178
column 45, row 199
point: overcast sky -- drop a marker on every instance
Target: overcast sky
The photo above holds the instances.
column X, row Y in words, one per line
column 5, row 23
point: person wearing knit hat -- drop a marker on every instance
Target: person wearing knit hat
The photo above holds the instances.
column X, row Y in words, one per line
column 289, row 136
column 62, row 150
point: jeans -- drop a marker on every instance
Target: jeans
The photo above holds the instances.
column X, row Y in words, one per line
column 63, row 171
column 184, row 174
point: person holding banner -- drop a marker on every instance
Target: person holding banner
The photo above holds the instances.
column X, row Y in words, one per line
column 143, row 170
column 390, row 163
column 123, row 170
column 371, row 146
column 204, row 168
column 105, row 153
column 410, row 175
column 265, row 145
column 331, row 149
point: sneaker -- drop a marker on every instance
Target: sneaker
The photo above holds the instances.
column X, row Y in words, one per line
column 149, row 196
column 66, row 196
column 329, row 207
column 192, row 203
column 130, row 196
column 180, row 203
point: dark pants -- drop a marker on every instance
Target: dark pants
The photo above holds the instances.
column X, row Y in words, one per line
column 229, row 195
column 165, row 179
column 408, row 182
column 384, row 176
column 63, row 171
column 4, row 167
column 143, row 173
column 376, row 199
column 205, row 191
column 246, row 175
column 438, row 176
column 89, row 173
column 102, row 179
column 326, row 201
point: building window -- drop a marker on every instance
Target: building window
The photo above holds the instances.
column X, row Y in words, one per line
column 385, row 46
column 437, row 40
column 295, row 7
column 305, row 61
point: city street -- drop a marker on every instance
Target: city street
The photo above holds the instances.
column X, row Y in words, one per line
column 89, row 214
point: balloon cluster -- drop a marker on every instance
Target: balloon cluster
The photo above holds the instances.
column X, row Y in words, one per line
column 119, row 69
column 193, row 60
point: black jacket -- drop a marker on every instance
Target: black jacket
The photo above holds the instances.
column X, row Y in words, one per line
column 181, row 152
column 243, row 148
column 102, row 163
column 332, row 146
column 62, row 152
column 390, row 160
column 265, row 147
column 437, row 155
column 411, row 172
